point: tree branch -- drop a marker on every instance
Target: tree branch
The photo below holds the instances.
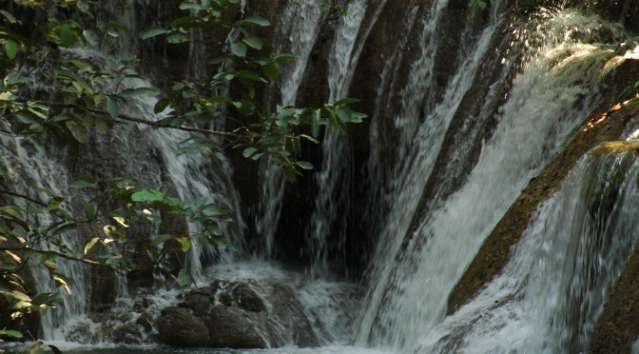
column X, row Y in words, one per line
column 55, row 253
column 151, row 123
column 22, row 196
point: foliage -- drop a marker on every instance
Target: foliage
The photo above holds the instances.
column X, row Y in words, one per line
column 479, row 6
column 83, row 92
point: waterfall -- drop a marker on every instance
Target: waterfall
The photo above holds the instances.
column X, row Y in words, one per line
column 196, row 178
column 302, row 20
column 334, row 171
column 471, row 107
column 42, row 177
column 548, row 101
column 417, row 159
column 549, row 295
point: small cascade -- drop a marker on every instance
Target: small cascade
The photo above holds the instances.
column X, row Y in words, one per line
column 41, row 177
column 551, row 292
column 198, row 179
column 547, row 103
column 301, row 23
column 334, row 172
column 416, row 160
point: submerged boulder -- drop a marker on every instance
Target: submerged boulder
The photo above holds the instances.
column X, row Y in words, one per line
column 245, row 314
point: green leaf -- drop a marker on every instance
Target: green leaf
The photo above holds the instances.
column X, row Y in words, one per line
column 8, row 16
column 66, row 34
column 183, row 278
column 63, row 227
column 152, row 32
column 83, row 65
column 78, row 131
column 271, row 71
column 147, row 196
column 346, row 101
column 44, row 299
column 160, row 239
column 161, row 105
column 10, row 48
column 248, row 75
column 177, row 38
column 214, row 211
column 256, row 20
column 11, row 333
column 112, row 107
column 284, row 58
column 239, row 49
column 248, row 152
column 305, row 165
column 90, row 37
column 90, row 211
column 316, row 122
column 253, row 42
column 185, row 243
column 83, row 183
column 89, row 245
column 141, row 91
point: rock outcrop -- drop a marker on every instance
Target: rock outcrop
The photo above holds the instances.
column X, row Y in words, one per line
column 247, row 314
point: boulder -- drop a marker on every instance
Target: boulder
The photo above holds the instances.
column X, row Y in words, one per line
column 198, row 301
column 247, row 315
column 128, row 333
column 178, row 326
column 248, row 299
column 233, row 327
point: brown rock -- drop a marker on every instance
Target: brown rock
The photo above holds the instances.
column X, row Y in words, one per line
column 179, row 327
column 230, row 327
column 248, row 299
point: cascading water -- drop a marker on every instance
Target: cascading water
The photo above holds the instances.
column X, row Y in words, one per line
column 196, row 182
column 548, row 102
column 549, row 296
column 417, row 159
column 302, row 20
column 554, row 287
column 335, row 157
column 194, row 178
column 30, row 170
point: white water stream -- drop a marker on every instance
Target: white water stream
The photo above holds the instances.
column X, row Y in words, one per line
column 548, row 101
column 548, row 297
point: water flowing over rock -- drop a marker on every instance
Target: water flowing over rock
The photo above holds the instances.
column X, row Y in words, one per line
column 488, row 204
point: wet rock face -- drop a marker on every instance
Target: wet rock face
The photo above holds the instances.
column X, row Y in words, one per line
column 246, row 314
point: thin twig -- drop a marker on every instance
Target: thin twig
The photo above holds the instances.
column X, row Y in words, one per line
column 151, row 123
column 25, row 197
column 55, row 253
